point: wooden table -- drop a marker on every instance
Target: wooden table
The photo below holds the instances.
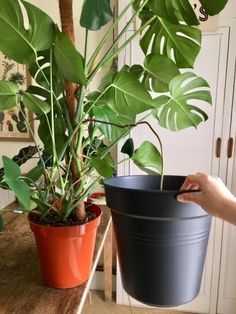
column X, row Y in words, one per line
column 21, row 288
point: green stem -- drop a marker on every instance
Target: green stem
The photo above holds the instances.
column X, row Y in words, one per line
column 106, row 36
column 131, row 126
column 111, row 54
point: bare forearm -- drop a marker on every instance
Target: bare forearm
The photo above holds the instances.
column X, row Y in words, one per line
column 228, row 211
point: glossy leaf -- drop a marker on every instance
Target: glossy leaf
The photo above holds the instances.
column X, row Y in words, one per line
column 11, row 169
column 106, row 114
column 127, row 95
column 104, row 166
column 159, row 70
column 69, row 61
column 179, row 42
column 9, row 95
column 179, row 111
column 35, row 104
column 46, row 137
column 148, row 158
column 169, row 9
column 95, row 14
column 25, row 41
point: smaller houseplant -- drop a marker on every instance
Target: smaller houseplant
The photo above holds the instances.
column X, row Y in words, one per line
column 78, row 127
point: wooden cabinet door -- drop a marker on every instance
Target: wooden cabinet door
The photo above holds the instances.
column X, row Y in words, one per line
column 227, row 280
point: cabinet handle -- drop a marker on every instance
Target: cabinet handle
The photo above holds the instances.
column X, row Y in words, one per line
column 230, row 147
column 218, row 147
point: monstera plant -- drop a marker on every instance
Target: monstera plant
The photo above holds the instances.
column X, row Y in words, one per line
column 78, row 127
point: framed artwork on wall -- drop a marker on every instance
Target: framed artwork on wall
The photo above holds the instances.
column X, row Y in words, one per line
column 16, row 124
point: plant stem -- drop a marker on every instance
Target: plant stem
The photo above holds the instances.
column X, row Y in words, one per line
column 131, row 126
column 111, row 54
column 97, row 51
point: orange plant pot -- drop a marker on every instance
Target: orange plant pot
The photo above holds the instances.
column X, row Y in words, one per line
column 66, row 253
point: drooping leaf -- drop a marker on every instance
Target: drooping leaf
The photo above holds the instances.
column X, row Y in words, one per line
column 35, row 104
column 104, row 166
column 159, row 70
column 213, row 7
column 95, row 14
column 106, row 114
column 127, row 95
column 179, row 42
column 179, row 111
column 148, row 158
column 37, row 36
column 128, row 147
column 9, row 95
column 69, row 61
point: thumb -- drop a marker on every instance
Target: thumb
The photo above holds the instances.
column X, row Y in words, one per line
column 188, row 197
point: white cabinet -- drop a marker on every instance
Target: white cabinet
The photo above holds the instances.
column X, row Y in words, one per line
column 193, row 150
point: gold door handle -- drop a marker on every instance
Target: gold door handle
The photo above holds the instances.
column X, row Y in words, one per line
column 218, row 147
column 230, row 147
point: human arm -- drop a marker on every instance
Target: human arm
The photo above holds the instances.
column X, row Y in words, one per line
column 214, row 197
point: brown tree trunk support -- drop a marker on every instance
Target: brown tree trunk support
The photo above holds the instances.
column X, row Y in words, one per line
column 67, row 25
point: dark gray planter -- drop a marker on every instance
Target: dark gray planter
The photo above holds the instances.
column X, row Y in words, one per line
column 161, row 243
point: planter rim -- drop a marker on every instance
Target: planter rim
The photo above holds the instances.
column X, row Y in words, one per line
column 112, row 182
column 138, row 196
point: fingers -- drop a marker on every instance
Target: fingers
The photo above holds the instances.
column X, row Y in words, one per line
column 194, row 182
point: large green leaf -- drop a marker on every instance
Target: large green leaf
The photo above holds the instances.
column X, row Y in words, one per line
column 69, row 61
column 213, row 7
column 148, row 158
column 35, row 104
column 179, row 111
column 159, row 70
column 11, row 177
column 11, row 169
column 104, row 166
column 179, row 42
column 9, row 95
column 169, row 9
column 127, row 95
column 95, row 14
column 106, row 114
column 21, row 43
column 46, row 136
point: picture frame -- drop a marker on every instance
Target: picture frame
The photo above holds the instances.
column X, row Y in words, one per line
column 13, row 124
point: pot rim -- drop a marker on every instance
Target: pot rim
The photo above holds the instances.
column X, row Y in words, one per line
column 109, row 182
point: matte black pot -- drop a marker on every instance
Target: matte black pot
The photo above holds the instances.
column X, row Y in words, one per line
column 161, row 242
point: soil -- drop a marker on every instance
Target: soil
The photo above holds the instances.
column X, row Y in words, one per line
column 53, row 220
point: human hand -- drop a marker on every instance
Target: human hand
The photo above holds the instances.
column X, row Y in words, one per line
column 214, row 197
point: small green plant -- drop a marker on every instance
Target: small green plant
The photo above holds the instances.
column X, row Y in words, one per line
column 78, row 127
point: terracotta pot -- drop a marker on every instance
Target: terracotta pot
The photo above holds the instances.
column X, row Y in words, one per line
column 66, row 253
